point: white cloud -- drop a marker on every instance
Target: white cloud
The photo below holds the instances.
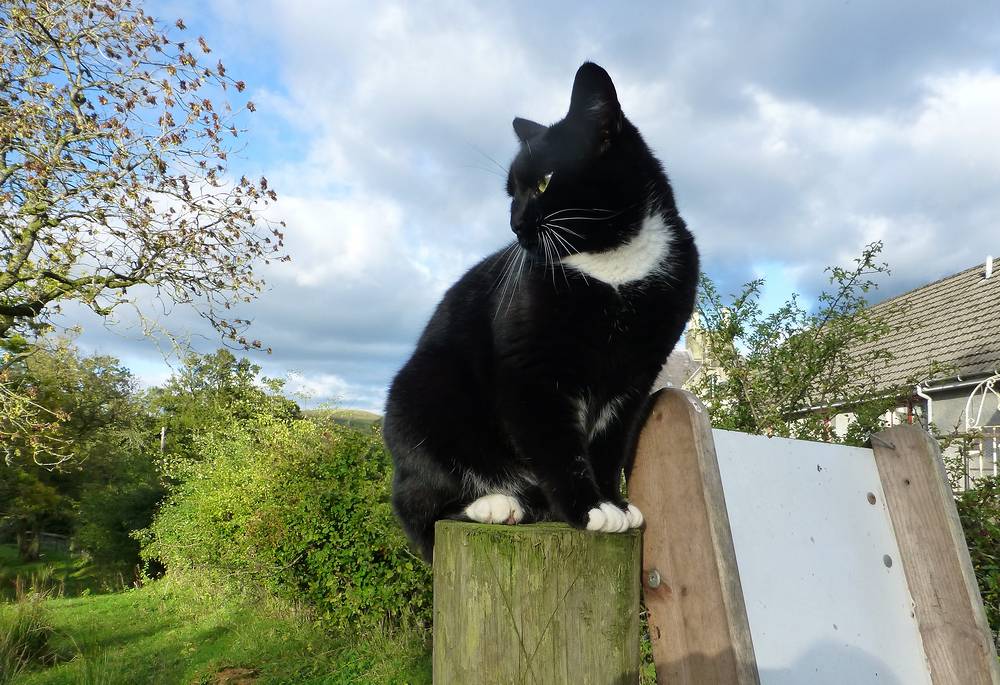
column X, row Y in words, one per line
column 327, row 388
column 909, row 178
column 341, row 238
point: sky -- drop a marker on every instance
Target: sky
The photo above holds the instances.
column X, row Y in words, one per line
column 793, row 134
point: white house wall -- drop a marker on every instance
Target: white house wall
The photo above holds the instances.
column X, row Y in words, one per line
column 949, row 410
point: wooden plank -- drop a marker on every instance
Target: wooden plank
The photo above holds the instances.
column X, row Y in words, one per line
column 697, row 616
column 541, row 604
column 935, row 559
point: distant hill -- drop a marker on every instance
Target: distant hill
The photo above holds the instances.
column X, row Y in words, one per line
column 355, row 418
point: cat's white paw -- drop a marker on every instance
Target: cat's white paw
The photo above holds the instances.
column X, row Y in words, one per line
column 595, row 519
column 607, row 518
column 617, row 520
column 634, row 516
column 495, row 508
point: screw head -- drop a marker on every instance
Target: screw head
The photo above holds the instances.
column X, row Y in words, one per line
column 653, row 579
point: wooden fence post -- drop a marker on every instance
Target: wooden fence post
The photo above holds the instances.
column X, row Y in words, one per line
column 946, row 600
column 697, row 616
column 541, row 604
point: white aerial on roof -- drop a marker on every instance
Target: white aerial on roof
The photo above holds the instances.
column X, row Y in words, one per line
column 989, row 266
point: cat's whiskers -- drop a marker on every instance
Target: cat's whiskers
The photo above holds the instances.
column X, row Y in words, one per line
column 553, row 236
column 577, row 209
column 560, row 227
column 508, row 252
column 550, row 254
column 499, row 166
column 517, row 278
column 587, row 218
column 606, row 214
column 572, row 249
column 508, row 275
column 485, row 170
column 511, row 282
column 569, row 247
column 562, row 267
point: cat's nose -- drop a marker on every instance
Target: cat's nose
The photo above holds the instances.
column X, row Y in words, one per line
column 517, row 221
column 520, row 222
column 524, row 229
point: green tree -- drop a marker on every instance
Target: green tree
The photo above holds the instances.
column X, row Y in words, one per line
column 209, row 391
column 110, row 442
column 28, row 506
column 114, row 144
column 788, row 372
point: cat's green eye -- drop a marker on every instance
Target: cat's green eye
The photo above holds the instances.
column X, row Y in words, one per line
column 543, row 182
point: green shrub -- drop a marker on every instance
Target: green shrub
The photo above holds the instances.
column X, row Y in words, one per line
column 979, row 510
column 299, row 509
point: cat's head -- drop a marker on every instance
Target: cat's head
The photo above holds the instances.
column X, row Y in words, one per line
column 585, row 183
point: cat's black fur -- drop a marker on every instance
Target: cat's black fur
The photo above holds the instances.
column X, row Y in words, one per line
column 508, row 390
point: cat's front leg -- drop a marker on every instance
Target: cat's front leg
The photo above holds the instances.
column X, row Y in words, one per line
column 548, row 435
column 573, row 494
column 613, row 438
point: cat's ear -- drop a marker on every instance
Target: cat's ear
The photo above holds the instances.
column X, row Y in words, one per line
column 594, row 105
column 527, row 129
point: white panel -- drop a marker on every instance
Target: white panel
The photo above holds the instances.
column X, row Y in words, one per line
column 823, row 605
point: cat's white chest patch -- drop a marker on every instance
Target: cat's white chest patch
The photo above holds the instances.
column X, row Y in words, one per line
column 592, row 426
column 642, row 256
column 605, row 416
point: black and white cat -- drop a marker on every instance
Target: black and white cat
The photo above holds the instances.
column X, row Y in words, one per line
column 524, row 395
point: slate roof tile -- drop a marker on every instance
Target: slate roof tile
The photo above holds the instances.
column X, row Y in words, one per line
column 954, row 321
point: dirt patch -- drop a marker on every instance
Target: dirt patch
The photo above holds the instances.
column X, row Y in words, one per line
column 236, row 676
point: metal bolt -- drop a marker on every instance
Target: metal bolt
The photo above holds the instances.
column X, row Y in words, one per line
column 653, row 579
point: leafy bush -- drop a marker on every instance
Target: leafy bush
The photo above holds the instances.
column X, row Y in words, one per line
column 979, row 510
column 299, row 509
column 789, row 372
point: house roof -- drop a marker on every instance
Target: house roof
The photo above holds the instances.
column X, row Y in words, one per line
column 954, row 321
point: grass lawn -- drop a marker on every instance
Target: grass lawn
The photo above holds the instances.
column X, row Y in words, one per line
column 64, row 574
column 353, row 418
column 164, row 633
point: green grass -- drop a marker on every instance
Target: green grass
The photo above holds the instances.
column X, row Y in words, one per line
column 61, row 574
column 24, row 636
column 168, row 633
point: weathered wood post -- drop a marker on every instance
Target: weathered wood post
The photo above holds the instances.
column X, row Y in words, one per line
column 541, row 604
column 946, row 601
column 698, row 625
